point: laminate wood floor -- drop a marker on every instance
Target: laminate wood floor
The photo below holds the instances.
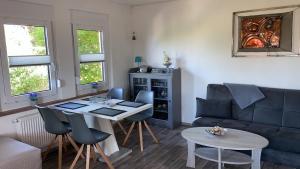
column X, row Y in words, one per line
column 171, row 153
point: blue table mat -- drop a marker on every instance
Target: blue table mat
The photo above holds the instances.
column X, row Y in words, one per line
column 71, row 105
column 130, row 104
column 108, row 111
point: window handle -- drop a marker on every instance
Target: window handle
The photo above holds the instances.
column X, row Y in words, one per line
column 53, row 66
column 77, row 79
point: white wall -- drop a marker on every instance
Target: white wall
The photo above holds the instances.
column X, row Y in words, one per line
column 198, row 35
column 120, row 45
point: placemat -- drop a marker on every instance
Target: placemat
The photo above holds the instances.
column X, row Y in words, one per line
column 108, row 111
column 71, row 105
column 130, row 104
column 96, row 98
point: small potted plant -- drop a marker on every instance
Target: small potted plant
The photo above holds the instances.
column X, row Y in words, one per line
column 33, row 97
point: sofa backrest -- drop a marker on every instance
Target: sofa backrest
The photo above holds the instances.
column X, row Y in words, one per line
column 281, row 107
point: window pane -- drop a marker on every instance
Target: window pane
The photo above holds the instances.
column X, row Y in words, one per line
column 25, row 40
column 28, row 79
column 91, row 72
column 89, row 42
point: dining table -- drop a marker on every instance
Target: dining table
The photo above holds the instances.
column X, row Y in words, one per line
column 99, row 113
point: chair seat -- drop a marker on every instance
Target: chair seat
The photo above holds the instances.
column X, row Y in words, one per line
column 99, row 135
column 138, row 117
column 67, row 126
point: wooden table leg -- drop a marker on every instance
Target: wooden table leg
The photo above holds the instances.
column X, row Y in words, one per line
column 191, row 155
column 256, row 155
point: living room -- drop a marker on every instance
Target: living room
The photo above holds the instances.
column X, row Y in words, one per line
column 197, row 43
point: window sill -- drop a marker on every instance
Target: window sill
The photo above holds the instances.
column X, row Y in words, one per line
column 19, row 110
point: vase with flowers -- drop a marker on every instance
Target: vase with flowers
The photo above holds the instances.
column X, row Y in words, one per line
column 33, row 97
column 95, row 87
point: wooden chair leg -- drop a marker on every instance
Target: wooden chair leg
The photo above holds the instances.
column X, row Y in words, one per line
column 93, row 154
column 122, row 128
column 105, row 158
column 151, row 133
column 74, row 145
column 141, row 136
column 64, row 143
column 49, row 148
column 128, row 134
column 60, row 140
column 77, row 156
column 88, row 152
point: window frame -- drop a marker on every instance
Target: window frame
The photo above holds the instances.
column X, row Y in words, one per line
column 46, row 95
column 87, row 88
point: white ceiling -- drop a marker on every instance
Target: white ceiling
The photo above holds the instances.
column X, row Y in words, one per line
column 138, row 2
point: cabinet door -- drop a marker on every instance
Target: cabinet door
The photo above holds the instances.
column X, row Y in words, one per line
column 138, row 84
column 160, row 88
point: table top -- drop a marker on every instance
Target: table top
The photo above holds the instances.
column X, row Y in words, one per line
column 93, row 106
column 233, row 139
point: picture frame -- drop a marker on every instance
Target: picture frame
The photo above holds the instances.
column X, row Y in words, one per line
column 267, row 32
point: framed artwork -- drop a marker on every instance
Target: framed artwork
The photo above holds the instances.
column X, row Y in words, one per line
column 267, row 32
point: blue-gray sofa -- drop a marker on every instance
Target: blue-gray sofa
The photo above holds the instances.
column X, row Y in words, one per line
column 276, row 117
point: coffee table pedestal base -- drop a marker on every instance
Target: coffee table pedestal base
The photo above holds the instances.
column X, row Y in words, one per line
column 223, row 156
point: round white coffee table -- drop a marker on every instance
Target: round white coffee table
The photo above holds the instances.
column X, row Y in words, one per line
column 221, row 147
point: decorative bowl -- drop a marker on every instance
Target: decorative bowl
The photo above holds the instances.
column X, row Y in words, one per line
column 216, row 131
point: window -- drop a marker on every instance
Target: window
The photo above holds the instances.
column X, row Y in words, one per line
column 90, row 55
column 27, row 58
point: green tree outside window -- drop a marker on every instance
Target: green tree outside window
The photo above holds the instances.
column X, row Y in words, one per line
column 89, row 42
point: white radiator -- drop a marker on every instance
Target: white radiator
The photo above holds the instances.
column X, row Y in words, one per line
column 30, row 130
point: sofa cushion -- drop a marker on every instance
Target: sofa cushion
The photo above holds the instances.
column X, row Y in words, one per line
column 227, row 123
column 213, row 108
column 217, row 91
column 262, row 129
column 286, row 139
column 234, row 124
column 270, row 109
column 242, row 114
column 291, row 114
column 206, row 122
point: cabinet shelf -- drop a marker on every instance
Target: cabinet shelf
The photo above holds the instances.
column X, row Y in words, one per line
column 161, row 111
column 165, row 87
column 138, row 85
column 163, row 99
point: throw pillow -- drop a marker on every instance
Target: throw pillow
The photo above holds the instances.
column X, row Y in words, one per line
column 213, row 108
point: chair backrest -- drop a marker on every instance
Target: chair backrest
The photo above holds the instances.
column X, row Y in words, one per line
column 53, row 124
column 145, row 97
column 116, row 93
column 80, row 131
